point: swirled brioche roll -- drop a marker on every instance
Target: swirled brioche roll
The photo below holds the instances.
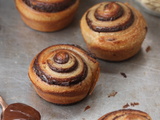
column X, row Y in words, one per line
column 114, row 31
column 126, row 114
column 64, row 74
column 47, row 15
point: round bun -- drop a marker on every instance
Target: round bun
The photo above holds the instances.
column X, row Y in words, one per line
column 126, row 114
column 64, row 74
column 114, row 31
column 47, row 15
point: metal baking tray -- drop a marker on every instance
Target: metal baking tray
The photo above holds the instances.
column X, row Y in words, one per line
column 140, row 88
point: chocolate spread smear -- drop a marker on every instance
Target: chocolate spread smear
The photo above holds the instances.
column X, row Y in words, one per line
column 19, row 111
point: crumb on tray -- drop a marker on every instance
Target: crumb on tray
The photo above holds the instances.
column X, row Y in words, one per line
column 123, row 74
column 130, row 104
column 87, row 107
column 148, row 49
column 112, row 94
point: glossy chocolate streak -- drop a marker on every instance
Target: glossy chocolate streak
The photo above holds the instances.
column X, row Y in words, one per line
column 113, row 28
column 110, row 16
column 58, row 81
column 19, row 111
column 49, row 7
column 62, row 70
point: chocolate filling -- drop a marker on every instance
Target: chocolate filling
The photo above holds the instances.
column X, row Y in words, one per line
column 62, row 70
column 58, row 81
column 115, row 28
column 49, row 7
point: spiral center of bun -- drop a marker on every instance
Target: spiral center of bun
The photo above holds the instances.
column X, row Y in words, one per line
column 109, row 12
column 61, row 57
column 60, row 67
column 110, row 17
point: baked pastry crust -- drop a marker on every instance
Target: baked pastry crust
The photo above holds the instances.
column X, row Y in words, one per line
column 114, row 31
column 47, row 16
column 64, row 74
column 126, row 114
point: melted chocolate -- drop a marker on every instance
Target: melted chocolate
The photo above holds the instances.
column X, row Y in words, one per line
column 19, row 111
column 49, row 7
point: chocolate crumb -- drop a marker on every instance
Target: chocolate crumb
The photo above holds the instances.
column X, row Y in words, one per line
column 124, row 75
column 126, row 105
column 112, row 94
column 148, row 49
column 111, row 39
column 134, row 103
column 86, row 108
column 131, row 104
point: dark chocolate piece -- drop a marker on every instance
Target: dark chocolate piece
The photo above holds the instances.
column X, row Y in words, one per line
column 148, row 49
column 123, row 74
column 126, row 105
column 87, row 107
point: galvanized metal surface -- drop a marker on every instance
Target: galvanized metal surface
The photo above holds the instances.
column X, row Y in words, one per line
column 19, row 44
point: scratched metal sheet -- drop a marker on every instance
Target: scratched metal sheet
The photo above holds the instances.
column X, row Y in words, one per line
column 19, row 44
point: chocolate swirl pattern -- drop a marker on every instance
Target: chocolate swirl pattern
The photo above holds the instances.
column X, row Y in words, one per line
column 126, row 114
column 47, row 15
column 64, row 74
column 63, row 65
column 114, row 31
column 105, row 13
